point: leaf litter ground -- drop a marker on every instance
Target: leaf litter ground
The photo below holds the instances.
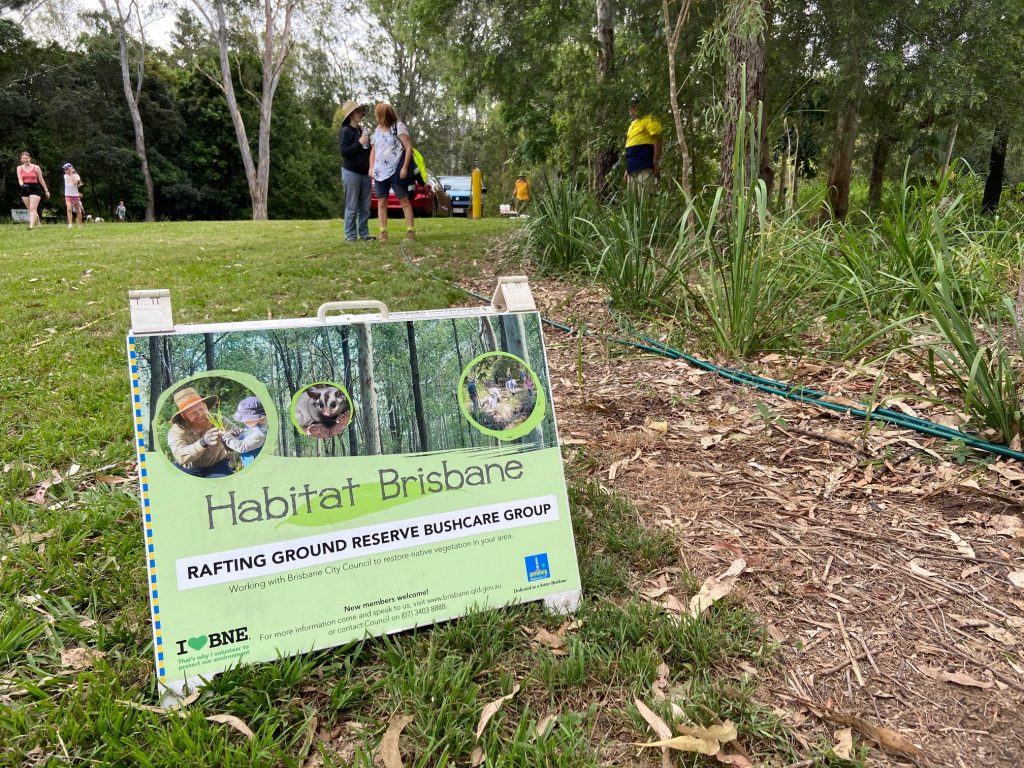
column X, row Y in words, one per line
column 883, row 564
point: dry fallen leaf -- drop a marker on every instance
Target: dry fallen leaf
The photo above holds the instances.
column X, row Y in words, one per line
column 725, row 732
column 660, row 685
column 715, row 588
column 659, row 726
column 34, row 538
column 1006, row 525
column 998, row 633
column 235, row 722
column 844, row 743
column 960, row 678
column 964, row 548
column 887, row 739
column 545, row 725
column 916, row 567
column 388, row 751
column 477, row 757
column 687, row 744
column 1006, row 472
column 659, row 426
column 1016, row 578
column 79, row 658
column 555, row 642
column 491, row 710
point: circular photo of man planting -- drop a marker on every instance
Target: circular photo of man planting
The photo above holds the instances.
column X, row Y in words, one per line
column 322, row 409
column 213, row 426
column 501, row 395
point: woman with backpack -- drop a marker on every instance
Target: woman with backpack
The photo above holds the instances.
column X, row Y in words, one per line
column 390, row 161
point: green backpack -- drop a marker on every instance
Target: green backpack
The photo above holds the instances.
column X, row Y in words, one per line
column 418, row 163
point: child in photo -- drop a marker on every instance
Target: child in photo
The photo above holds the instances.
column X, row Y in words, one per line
column 248, row 441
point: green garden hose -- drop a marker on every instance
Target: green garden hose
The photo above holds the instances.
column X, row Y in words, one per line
column 797, row 393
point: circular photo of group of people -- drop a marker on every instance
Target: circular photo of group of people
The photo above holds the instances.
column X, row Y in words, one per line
column 501, row 395
column 216, row 426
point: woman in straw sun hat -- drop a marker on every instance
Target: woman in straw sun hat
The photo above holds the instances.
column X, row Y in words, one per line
column 193, row 439
column 354, row 140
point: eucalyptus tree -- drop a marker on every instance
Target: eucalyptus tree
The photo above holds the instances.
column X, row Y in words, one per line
column 267, row 27
column 124, row 18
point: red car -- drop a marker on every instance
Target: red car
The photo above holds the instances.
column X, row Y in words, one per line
column 428, row 199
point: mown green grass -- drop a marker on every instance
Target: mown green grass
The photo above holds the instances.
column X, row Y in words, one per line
column 65, row 317
column 81, row 581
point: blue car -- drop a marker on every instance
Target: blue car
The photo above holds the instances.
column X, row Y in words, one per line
column 460, row 190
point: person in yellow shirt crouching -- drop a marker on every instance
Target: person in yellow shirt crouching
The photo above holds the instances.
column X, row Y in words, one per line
column 643, row 148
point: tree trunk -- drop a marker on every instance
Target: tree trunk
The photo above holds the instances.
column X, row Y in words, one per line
column 274, row 53
column 367, row 391
column 673, row 32
column 417, row 394
column 487, row 340
column 208, row 351
column 879, row 159
column 841, row 164
column 346, row 359
column 796, row 183
column 780, row 200
column 949, row 150
column 605, row 39
column 996, row 165
column 160, row 376
column 605, row 156
column 515, row 337
column 745, row 66
column 119, row 24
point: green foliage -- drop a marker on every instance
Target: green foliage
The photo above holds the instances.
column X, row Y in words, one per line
column 560, row 233
column 638, row 259
column 68, row 105
column 982, row 361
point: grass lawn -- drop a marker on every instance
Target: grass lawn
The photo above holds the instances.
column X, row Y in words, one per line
column 72, row 573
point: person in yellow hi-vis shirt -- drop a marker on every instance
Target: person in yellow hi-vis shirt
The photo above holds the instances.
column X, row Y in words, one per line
column 522, row 192
column 643, row 148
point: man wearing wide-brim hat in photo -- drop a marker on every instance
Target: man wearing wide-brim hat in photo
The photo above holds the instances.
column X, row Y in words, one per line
column 354, row 141
column 193, row 439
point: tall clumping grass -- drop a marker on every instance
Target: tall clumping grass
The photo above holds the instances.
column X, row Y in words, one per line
column 881, row 265
column 727, row 268
column 643, row 251
column 757, row 269
column 560, row 233
column 981, row 358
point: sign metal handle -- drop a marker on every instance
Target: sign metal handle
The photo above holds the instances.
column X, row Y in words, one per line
column 343, row 306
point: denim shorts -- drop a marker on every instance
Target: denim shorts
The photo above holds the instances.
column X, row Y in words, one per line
column 399, row 185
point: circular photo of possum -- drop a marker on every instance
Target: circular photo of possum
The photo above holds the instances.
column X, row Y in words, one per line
column 214, row 425
column 501, row 395
column 322, row 409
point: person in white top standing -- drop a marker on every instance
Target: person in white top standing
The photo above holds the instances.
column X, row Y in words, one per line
column 390, row 157
column 72, row 194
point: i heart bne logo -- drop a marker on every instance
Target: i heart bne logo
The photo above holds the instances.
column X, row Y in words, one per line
column 197, row 642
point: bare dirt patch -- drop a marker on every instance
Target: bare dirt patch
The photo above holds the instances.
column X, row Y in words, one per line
column 885, row 569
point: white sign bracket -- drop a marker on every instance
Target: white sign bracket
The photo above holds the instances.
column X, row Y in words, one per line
column 513, row 294
column 151, row 311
